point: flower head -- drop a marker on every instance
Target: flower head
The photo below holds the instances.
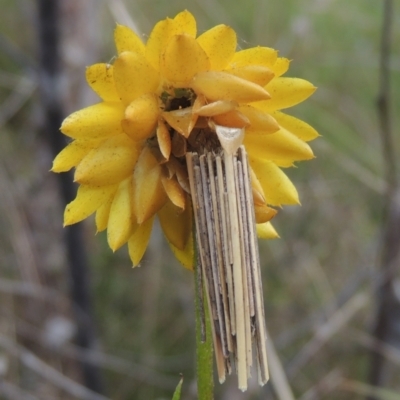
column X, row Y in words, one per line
column 162, row 99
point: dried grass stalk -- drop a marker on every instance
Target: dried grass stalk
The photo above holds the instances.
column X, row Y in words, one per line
column 228, row 252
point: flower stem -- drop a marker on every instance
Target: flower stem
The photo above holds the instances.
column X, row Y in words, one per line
column 204, row 349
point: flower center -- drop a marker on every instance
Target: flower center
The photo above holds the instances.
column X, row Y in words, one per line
column 201, row 137
column 178, row 99
column 177, row 103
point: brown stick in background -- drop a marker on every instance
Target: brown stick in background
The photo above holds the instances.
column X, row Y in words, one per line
column 50, row 83
column 388, row 309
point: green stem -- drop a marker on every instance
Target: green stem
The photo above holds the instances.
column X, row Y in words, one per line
column 204, row 350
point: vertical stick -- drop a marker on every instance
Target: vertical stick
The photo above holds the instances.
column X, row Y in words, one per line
column 220, row 267
column 237, row 273
column 225, row 223
column 212, row 267
column 244, row 260
column 196, row 187
column 227, row 248
column 204, row 351
column 261, row 334
column 199, row 261
column 78, row 270
column 388, row 306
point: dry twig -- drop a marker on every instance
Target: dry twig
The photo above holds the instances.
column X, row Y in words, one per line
column 388, row 304
column 48, row 373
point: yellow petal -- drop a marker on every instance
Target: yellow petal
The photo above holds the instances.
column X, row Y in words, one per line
column 257, row 190
column 120, row 220
column 139, row 240
column 281, row 145
column 219, row 43
column 134, row 76
column 258, row 198
column 266, row 231
column 164, row 30
column 100, row 78
column 164, row 139
column 176, row 168
column 215, row 108
column 255, row 56
column 258, row 74
column 87, row 201
column 185, row 256
column 178, row 145
column 141, row 117
column 263, row 213
column 232, row 119
column 182, row 59
column 127, row 40
column 259, row 120
column 176, row 224
column 296, row 126
column 277, row 187
column 174, row 192
column 102, row 214
column 216, row 85
column 149, row 194
column 73, row 154
column 158, row 39
column 98, row 121
column 111, row 162
column 286, row 92
column 281, row 66
column 184, row 22
column 182, row 120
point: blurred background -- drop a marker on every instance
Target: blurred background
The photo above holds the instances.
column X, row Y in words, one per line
column 76, row 320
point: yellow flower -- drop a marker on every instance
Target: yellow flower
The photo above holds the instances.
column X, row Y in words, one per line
column 160, row 100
